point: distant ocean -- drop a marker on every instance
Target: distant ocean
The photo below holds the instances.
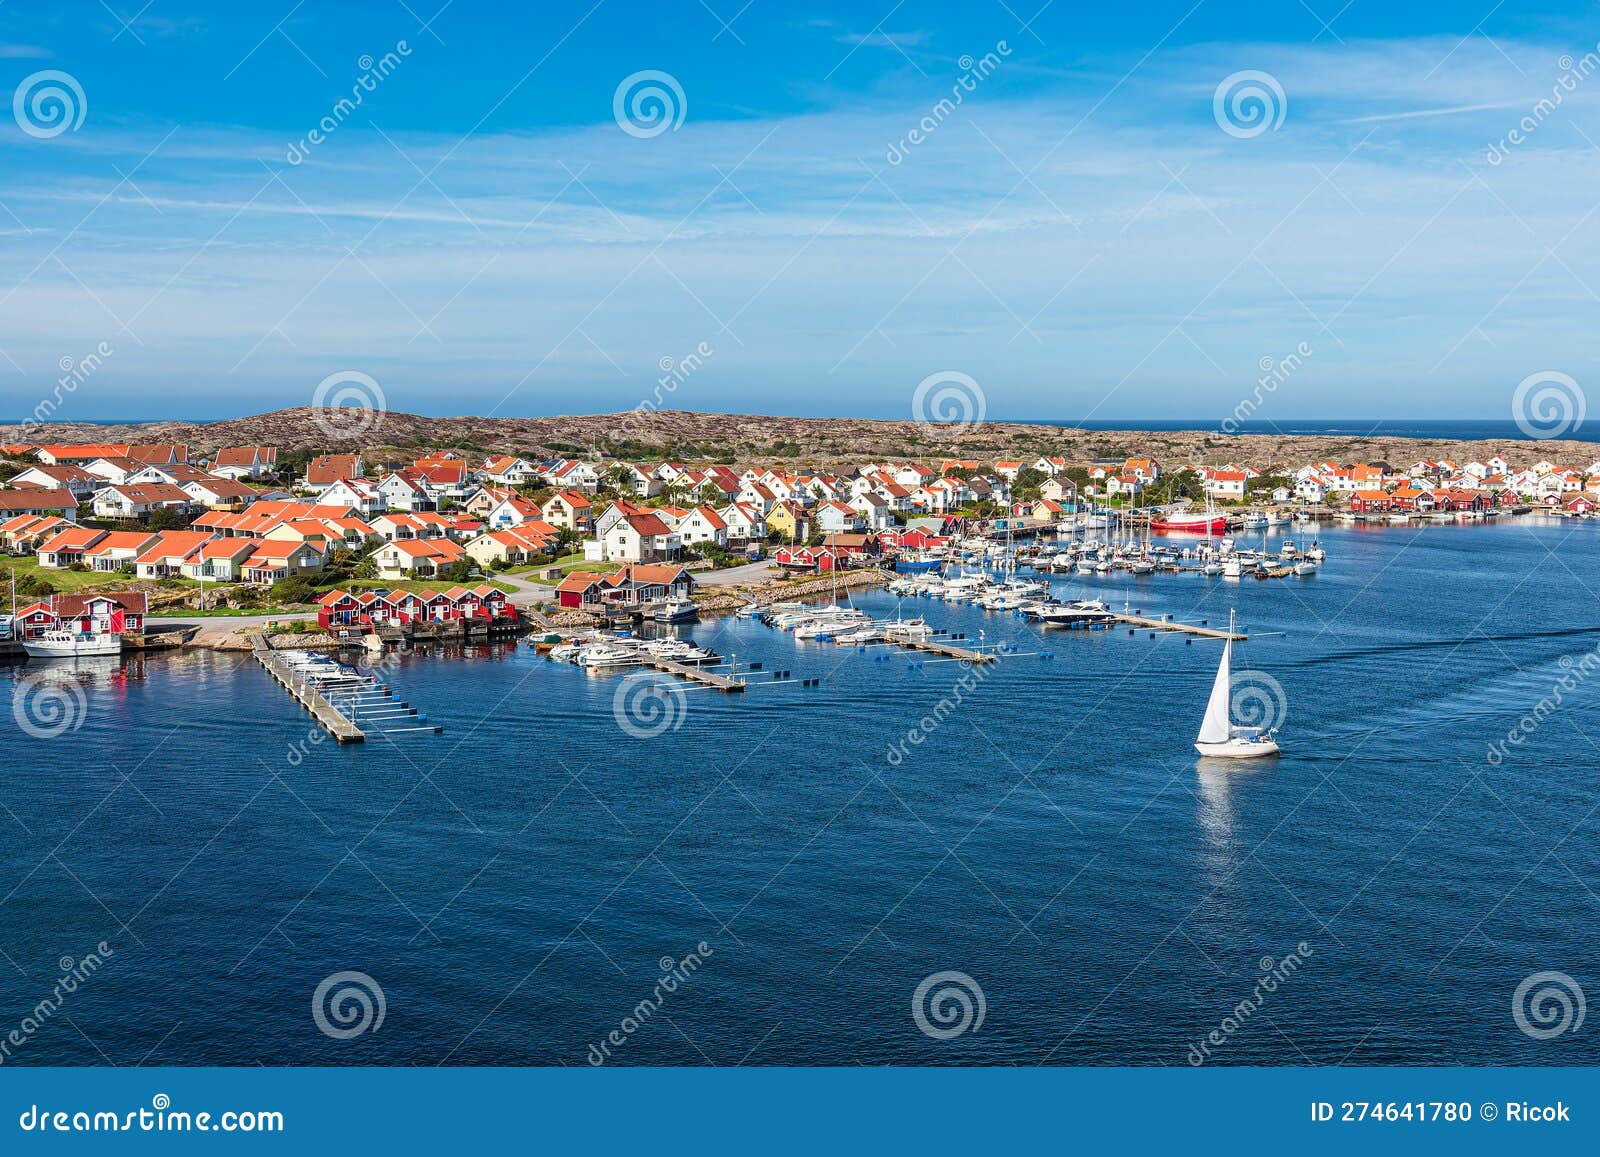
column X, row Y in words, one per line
column 1446, row 428
column 1464, row 429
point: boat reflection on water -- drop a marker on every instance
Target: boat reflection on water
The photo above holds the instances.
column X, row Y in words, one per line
column 1220, row 781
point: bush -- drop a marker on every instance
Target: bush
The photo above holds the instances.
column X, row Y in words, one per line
column 294, row 589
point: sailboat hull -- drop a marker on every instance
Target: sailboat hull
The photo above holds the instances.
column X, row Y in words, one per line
column 1238, row 748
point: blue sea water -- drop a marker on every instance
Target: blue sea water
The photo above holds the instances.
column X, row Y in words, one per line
column 1451, row 429
column 515, row 884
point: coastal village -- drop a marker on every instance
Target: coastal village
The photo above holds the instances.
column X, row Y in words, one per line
column 106, row 536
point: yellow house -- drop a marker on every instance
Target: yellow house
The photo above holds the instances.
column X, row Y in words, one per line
column 790, row 520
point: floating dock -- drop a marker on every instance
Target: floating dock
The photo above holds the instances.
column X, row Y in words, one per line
column 693, row 674
column 1145, row 623
column 309, row 696
column 947, row 650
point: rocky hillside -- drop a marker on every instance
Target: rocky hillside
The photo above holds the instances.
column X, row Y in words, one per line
column 751, row 437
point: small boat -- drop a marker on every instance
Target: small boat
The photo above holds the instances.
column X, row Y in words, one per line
column 1255, row 521
column 676, row 611
column 1305, row 567
column 72, row 645
column 1211, row 568
column 914, row 630
column 748, row 611
column 607, row 655
column 1218, row 737
column 1233, row 568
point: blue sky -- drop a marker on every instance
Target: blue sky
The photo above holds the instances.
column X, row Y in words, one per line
column 1081, row 234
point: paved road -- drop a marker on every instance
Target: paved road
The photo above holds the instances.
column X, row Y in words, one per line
column 751, row 572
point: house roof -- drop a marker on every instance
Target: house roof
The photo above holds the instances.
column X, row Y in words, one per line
column 245, row 455
column 37, row 499
column 329, row 468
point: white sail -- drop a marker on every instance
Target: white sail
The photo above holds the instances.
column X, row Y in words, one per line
column 1214, row 728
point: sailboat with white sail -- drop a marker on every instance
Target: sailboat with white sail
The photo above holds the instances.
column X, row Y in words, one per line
column 1218, row 737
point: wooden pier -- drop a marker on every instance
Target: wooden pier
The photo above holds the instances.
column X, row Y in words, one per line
column 1146, row 623
column 947, row 650
column 693, row 674
column 309, row 697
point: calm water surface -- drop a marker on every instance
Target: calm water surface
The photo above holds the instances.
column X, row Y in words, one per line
column 514, row 883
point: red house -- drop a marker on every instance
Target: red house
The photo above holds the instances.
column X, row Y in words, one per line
column 116, row 614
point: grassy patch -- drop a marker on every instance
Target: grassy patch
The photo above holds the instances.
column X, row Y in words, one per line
column 62, row 580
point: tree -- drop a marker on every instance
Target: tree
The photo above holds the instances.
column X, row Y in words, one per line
column 294, row 589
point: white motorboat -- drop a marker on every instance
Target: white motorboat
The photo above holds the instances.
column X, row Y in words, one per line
column 1305, row 567
column 1255, row 521
column 607, row 655
column 1218, row 738
column 72, row 645
column 913, row 630
column 676, row 611
column 1211, row 568
column 1233, row 567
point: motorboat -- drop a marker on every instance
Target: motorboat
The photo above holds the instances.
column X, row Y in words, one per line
column 607, row 655
column 1255, row 521
column 1305, row 567
column 72, row 644
column 676, row 611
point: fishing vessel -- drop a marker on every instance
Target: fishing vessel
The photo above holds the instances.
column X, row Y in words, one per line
column 1218, row 737
column 676, row 611
column 72, row 644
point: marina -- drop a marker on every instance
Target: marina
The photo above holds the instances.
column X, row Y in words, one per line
column 1073, row 782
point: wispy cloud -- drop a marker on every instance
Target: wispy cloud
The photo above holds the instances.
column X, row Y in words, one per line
column 23, row 51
